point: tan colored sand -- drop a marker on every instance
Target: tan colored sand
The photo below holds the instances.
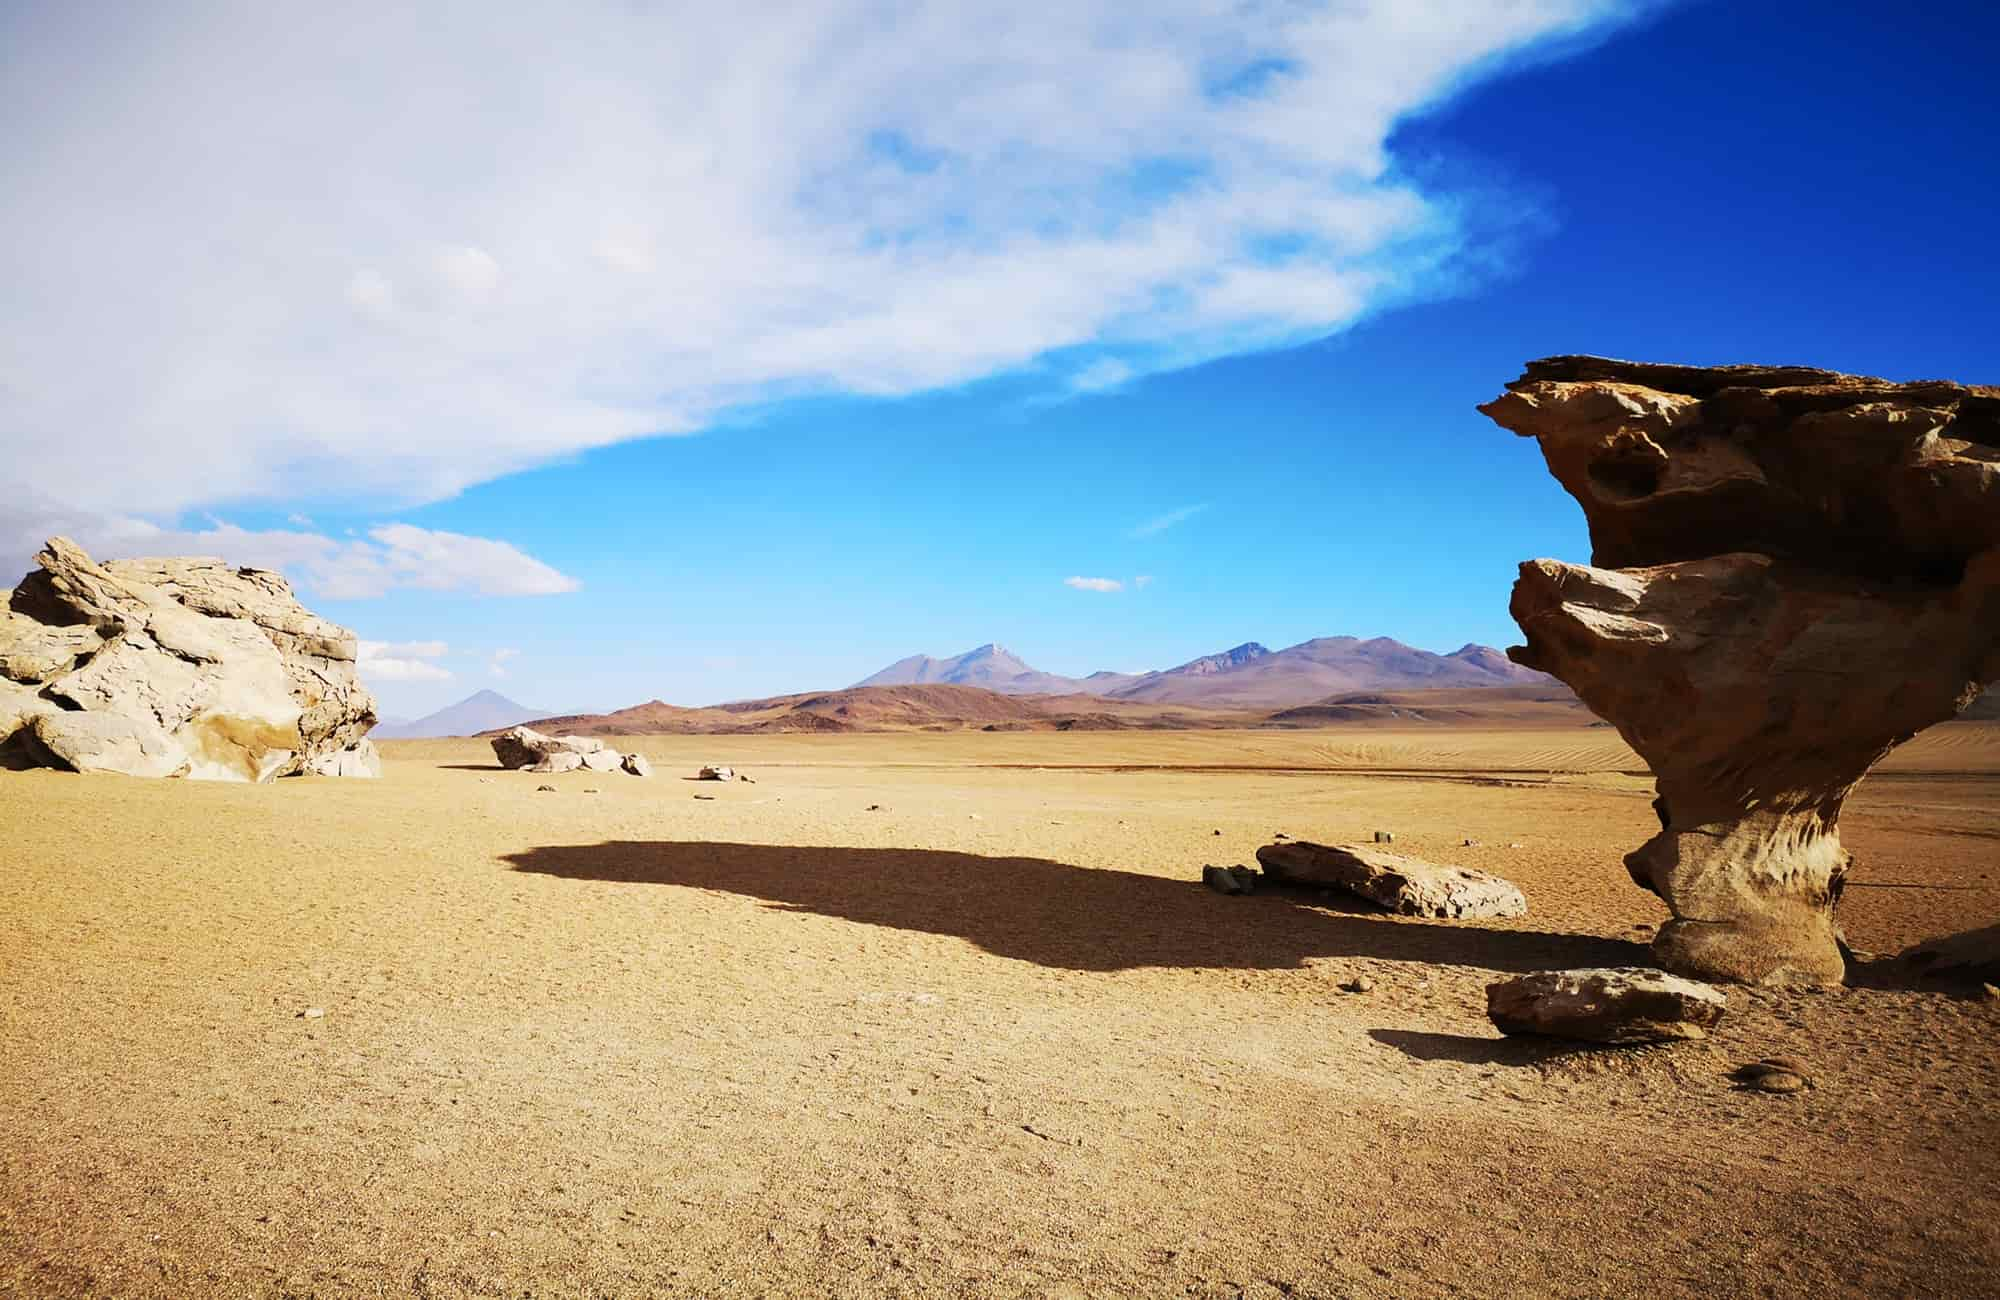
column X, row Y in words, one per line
column 989, row 1038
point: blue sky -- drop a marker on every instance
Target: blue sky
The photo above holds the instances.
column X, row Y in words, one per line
column 1219, row 332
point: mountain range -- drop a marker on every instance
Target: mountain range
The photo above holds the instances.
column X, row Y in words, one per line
column 1248, row 676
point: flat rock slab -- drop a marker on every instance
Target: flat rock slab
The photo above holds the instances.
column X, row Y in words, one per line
column 1401, row 884
column 1621, row 1004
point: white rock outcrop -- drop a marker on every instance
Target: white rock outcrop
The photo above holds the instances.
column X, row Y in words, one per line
column 178, row 666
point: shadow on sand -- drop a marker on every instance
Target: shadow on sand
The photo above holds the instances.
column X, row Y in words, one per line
column 1473, row 1050
column 1063, row 916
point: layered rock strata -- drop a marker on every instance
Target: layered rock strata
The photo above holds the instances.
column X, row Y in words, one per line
column 1793, row 571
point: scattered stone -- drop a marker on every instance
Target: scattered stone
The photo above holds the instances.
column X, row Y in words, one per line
column 548, row 789
column 1279, row 835
column 873, row 807
column 1401, row 884
column 1215, row 832
column 311, row 1013
column 1385, row 837
column 1360, row 984
column 175, row 667
column 1615, row 1005
column 1765, row 1077
column 591, row 789
column 1515, row 845
column 1230, row 880
column 1793, row 571
column 1791, row 1063
column 709, row 797
column 636, row 765
column 716, row 772
column 1470, row 844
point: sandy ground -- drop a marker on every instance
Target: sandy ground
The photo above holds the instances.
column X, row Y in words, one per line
column 949, row 1015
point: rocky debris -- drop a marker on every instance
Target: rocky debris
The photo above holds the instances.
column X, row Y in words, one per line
column 718, row 772
column 1385, row 837
column 526, row 749
column 1360, row 984
column 175, row 666
column 545, row 789
column 1971, row 958
column 1628, row 1004
column 311, row 1013
column 1795, row 571
column 1230, row 880
column 360, row 759
column 1402, row 884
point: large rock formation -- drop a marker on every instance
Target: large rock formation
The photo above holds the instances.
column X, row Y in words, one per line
column 1794, row 572
column 527, row 750
column 176, row 667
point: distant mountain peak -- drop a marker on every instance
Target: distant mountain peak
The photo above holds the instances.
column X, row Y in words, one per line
column 483, row 710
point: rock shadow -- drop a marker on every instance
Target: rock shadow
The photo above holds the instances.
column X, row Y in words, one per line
column 1474, row 1050
column 1063, row 916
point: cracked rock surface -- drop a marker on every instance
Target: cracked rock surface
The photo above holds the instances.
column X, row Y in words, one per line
column 176, row 667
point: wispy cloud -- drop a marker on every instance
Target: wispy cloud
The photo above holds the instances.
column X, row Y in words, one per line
column 1143, row 581
column 1154, row 527
column 496, row 663
column 691, row 208
column 1094, row 584
column 388, row 558
column 402, row 661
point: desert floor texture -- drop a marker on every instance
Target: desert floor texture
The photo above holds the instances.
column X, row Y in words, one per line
column 951, row 1015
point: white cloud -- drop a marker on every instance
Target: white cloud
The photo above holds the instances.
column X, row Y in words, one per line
column 1154, row 527
column 401, row 661
column 1104, row 373
column 1094, row 584
column 390, row 557
column 1143, row 581
column 339, row 265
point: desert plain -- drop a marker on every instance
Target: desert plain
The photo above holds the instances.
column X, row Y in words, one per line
column 950, row 1014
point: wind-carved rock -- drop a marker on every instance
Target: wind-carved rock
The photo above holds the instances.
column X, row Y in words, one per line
column 1795, row 571
column 176, row 667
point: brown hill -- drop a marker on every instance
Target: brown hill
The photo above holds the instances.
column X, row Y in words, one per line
column 1512, row 706
column 891, row 708
column 963, row 708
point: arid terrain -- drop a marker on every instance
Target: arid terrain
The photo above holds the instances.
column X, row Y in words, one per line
column 950, row 1014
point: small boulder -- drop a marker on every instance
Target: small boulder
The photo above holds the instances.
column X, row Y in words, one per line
column 1401, row 884
column 1628, row 1004
column 362, row 759
column 716, row 772
column 1385, row 837
column 636, row 765
column 602, row 760
column 1230, row 880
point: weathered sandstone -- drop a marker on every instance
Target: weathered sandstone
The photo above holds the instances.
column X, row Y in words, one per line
column 1401, row 884
column 176, row 667
column 527, row 749
column 1793, row 571
column 1623, row 1004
